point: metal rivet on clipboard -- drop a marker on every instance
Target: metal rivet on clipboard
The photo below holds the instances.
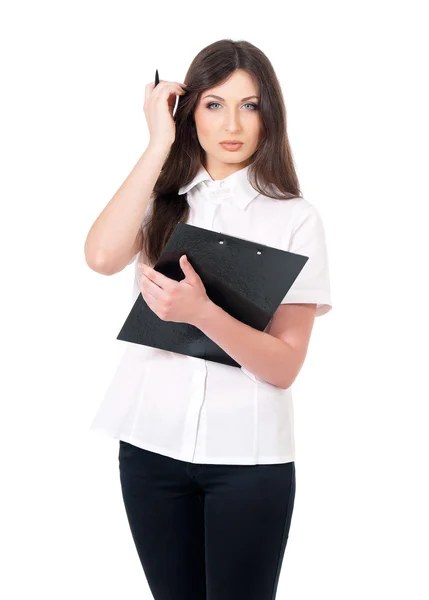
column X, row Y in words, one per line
column 257, row 251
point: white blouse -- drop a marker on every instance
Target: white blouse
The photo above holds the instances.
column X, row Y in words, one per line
column 202, row 411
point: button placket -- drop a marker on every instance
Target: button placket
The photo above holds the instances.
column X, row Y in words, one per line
column 217, row 193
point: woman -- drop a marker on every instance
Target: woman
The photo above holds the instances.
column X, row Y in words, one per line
column 206, row 451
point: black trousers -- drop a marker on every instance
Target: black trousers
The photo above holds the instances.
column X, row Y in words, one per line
column 207, row 532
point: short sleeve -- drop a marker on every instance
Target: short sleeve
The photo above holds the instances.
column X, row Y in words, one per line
column 312, row 286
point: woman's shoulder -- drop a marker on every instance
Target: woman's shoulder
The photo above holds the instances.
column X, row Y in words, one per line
column 297, row 208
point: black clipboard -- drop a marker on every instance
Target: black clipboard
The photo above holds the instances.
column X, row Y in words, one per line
column 246, row 279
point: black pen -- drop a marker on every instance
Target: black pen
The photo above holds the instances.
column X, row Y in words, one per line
column 156, row 78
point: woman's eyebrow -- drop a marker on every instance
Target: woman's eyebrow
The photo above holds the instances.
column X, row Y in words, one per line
column 220, row 98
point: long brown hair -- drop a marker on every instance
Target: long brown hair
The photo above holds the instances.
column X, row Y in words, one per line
column 271, row 168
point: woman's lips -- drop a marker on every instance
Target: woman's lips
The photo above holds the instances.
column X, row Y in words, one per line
column 231, row 147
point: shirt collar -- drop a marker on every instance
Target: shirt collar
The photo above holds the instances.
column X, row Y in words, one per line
column 236, row 185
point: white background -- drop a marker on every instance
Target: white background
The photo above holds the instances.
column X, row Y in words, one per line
column 72, row 127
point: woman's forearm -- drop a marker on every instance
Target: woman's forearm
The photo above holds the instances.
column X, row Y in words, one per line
column 112, row 236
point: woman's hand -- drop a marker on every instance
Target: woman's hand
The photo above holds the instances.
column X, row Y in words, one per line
column 158, row 108
column 178, row 301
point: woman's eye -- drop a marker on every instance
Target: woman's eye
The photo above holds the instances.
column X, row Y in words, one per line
column 255, row 106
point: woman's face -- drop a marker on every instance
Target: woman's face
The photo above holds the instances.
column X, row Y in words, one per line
column 232, row 115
